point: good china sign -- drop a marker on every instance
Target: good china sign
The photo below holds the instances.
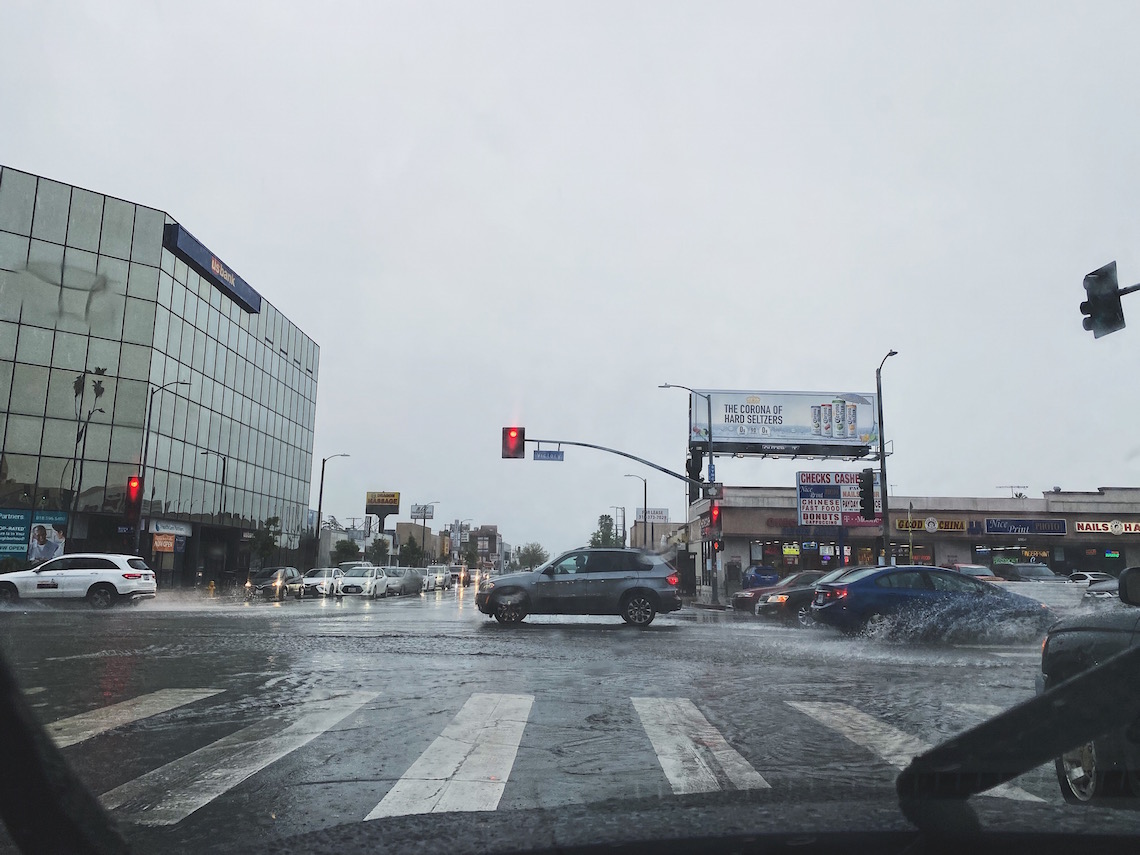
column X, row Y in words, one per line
column 1109, row 527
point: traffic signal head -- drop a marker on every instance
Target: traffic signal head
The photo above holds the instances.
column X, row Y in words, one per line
column 717, row 545
column 514, row 442
column 714, row 516
column 134, row 498
column 1102, row 310
column 867, row 494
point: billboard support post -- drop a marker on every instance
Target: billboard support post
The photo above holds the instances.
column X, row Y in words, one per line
column 884, row 486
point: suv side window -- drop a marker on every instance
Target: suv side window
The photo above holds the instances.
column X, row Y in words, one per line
column 604, row 562
column 572, row 564
column 55, row 565
column 92, row 564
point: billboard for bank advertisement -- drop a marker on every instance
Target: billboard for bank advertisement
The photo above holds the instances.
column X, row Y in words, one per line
column 785, row 424
column 832, row 498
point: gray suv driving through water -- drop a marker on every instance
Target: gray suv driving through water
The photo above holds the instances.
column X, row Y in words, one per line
column 628, row 582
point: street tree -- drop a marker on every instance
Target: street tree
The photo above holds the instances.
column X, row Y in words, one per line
column 605, row 535
column 411, row 553
column 345, row 550
column 471, row 556
column 532, row 554
column 264, row 541
column 378, row 551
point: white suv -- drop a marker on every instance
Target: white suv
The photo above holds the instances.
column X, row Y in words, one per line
column 102, row 580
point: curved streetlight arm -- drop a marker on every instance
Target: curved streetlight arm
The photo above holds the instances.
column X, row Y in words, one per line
column 146, row 451
column 708, row 403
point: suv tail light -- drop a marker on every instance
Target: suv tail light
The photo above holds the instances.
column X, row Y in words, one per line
column 834, row 593
column 132, row 575
column 672, row 579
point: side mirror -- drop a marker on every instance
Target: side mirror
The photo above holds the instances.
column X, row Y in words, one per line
column 1130, row 586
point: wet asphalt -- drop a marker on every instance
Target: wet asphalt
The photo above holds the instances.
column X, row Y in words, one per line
column 403, row 670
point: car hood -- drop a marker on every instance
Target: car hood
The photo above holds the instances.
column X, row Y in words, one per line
column 512, row 577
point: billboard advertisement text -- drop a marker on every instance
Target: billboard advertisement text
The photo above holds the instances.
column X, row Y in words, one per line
column 819, row 424
column 832, row 498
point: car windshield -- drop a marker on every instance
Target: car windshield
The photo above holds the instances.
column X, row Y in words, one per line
column 755, row 296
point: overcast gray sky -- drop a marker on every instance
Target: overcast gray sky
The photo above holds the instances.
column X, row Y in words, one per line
column 534, row 213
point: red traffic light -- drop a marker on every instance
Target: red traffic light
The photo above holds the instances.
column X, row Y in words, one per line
column 514, row 442
column 714, row 513
column 134, row 498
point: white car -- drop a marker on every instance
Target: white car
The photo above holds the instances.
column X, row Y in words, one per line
column 439, row 576
column 101, row 579
column 368, row 582
column 1088, row 578
column 320, row 582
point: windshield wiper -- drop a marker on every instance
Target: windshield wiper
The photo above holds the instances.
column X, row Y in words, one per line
column 933, row 789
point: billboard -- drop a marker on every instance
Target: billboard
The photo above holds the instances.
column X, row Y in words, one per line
column 832, row 498
column 785, row 424
column 656, row 515
column 381, row 504
column 423, row 512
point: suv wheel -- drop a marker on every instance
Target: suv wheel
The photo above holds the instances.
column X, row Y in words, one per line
column 1084, row 779
column 509, row 611
column 638, row 609
column 101, row 597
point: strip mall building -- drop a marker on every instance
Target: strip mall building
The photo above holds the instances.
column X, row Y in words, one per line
column 1069, row 531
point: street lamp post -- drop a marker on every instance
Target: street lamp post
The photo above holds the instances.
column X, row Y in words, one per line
column 883, row 491
column 711, row 477
column 321, row 499
column 708, row 403
column 221, row 457
column 644, row 509
column 146, row 450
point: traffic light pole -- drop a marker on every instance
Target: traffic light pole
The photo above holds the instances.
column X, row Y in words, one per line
column 624, row 454
column 146, row 449
column 883, row 491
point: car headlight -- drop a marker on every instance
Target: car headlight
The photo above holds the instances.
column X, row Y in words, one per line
column 486, row 585
column 777, row 598
column 248, row 583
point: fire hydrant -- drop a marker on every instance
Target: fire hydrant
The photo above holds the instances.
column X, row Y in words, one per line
column 210, row 589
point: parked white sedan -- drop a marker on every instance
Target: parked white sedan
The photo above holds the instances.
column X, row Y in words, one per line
column 101, row 579
column 367, row 582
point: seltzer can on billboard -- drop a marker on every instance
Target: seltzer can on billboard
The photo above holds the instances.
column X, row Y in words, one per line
column 815, row 420
column 839, row 418
column 852, row 420
column 825, row 419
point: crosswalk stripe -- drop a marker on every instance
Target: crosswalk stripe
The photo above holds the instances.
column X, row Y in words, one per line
column 77, row 728
column 466, row 768
column 171, row 793
column 691, row 751
column 891, row 744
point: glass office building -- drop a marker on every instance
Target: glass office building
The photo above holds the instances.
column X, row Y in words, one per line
column 111, row 312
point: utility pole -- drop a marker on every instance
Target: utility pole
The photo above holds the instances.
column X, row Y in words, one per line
column 883, row 491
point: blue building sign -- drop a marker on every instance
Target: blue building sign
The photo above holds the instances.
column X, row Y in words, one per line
column 189, row 249
column 1015, row 526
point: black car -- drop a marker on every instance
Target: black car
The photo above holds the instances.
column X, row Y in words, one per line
column 274, row 583
column 634, row 584
column 1028, row 573
column 792, row 606
column 1109, row 766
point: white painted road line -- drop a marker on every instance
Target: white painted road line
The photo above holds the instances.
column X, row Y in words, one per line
column 691, row 751
column 171, row 793
column 77, row 728
column 466, row 768
column 888, row 742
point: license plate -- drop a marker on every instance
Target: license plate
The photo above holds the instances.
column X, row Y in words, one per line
column 819, row 599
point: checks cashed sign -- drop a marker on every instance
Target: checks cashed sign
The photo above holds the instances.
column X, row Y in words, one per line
column 832, row 499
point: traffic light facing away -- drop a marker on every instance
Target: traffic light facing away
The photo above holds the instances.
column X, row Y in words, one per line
column 514, row 442
column 1102, row 310
column 134, row 498
column 867, row 494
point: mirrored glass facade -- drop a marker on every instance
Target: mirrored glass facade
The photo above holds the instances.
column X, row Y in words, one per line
column 98, row 317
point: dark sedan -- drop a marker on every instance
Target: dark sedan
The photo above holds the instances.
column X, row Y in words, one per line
column 748, row 599
column 925, row 603
column 792, row 605
column 1108, row 767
